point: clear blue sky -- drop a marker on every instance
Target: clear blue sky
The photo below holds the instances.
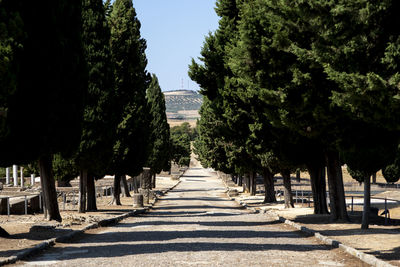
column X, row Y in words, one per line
column 175, row 31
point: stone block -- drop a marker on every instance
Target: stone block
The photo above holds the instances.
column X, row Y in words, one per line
column 3, row 206
column 34, row 204
column 137, row 200
column 106, row 191
column 17, row 205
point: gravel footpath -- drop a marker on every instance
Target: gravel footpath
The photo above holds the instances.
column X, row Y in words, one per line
column 195, row 225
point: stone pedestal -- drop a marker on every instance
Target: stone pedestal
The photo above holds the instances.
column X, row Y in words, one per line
column 175, row 175
column 137, row 200
column 146, row 193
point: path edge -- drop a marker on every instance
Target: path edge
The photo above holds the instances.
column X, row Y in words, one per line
column 367, row 258
column 103, row 223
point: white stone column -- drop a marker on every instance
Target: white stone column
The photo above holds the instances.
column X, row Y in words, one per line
column 15, row 175
column 22, row 176
column 7, row 175
column 32, row 179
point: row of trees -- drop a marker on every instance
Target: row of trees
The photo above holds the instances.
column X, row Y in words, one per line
column 74, row 84
column 302, row 84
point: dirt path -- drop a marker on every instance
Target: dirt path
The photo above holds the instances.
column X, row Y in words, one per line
column 195, row 225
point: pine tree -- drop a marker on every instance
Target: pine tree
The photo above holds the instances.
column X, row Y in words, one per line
column 160, row 146
column 131, row 82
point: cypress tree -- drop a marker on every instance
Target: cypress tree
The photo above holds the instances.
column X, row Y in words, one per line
column 231, row 131
column 11, row 36
column 95, row 149
column 131, row 82
column 364, row 68
column 180, row 146
column 290, row 94
column 159, row 155
column 49, row 90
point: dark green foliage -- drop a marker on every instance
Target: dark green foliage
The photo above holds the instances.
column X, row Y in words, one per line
column 391, row 172
column 224, row 126
column 46, row 94
column 180, row 145
column 11, row 37
column 64, row 169
column 357, row 175
column 160, row 136
column 95, row 148
column 131, row 82
column 209, row 146
column 185, row 128
column 50, row 83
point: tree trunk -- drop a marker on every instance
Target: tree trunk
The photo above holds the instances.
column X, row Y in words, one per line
column 82, row 191
column 154, row 180
column 298, row 176
column 269, row 186
column 287, row 184
column 246, row 183
column 367, row 202
column 374, row 178
column 125, row 185
column 318, row 187
column 253, row 183
column 336, row 189
column 136, row 182
column 91, row 193
column 117, row 189
column 49, row 188
column 240, row 180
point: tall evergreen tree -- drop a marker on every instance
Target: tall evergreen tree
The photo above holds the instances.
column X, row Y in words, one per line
column 49, row 90
column 160, row 146
column 95, row 150
column 292, row 91
column 131, row 82
column 364, row 68
column 180, row 146
column 11, row 36
column 231, row 130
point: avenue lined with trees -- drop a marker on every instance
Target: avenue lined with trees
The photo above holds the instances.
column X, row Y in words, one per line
column 302, row 84
column 77, row 99
column 287, row 86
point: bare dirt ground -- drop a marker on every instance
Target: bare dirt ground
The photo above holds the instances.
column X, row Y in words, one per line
column 380, row 240
column 29, row 230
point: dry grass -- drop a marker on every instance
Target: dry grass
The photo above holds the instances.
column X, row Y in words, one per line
column 173, row 123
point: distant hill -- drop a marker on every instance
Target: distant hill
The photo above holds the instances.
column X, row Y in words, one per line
column 183, row 104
